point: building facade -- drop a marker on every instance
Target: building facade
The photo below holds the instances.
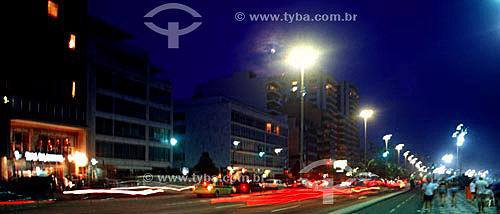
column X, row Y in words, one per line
column 213, row 124
column 349, row 129
column 130, row 108
column 43, row 114
column 83, row 94
column 336, row 137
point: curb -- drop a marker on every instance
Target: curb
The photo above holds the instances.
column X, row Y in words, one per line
column 363, row 205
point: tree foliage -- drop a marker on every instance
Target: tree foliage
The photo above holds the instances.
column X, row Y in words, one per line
column 205, row 165
column 385, row 169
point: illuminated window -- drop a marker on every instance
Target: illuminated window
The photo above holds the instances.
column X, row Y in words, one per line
column 73, row 89
column 277, row 130
column 268, row 127
column 72, row 42
column 52, row 9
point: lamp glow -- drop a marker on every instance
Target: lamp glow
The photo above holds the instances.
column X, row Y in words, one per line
column 80, row 159
column 261, row 154
column 236, row 143
column 406, row 154
column 367, row 113
column 278, row 150
column 302, row 57
column 447, row 158
column 173, row 141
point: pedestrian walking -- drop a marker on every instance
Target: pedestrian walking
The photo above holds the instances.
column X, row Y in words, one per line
column 453, row 190
column 443, row 189
column 496, row 190
column 472, row 186
column 481, row 193
column 429, row 188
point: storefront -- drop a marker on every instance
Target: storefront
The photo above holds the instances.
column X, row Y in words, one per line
column 43, row 149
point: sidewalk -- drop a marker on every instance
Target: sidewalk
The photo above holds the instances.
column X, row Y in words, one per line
column 463, row 205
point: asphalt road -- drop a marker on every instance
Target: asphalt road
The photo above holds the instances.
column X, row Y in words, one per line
column 188, row 203
column 409, row 202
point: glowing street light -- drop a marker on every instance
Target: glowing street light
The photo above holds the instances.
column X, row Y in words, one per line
column 93, row 161
column 405, row 154
column 173, row 141
column 302, row 57
column 410, row 157
column 413, row 161
column 385, row 154
column 386, row 138
column 235, row 143
column 365, row 114
column 261, row 154
column 278, row 150
column 398, row 148
column 459, row 134
column 447, row 158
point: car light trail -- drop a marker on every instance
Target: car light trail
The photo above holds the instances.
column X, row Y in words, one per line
column 138, row 190
column 290, row 195
column 50, row 201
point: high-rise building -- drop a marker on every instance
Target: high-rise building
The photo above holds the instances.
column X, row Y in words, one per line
column 335, row 123
column 43, row 119
column 349, row 106
column 322, row 91
column 130, row 108
column 80, row 93
column 233, row 133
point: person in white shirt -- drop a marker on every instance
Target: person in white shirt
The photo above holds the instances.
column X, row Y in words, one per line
column 472, row 186
column 429, row 189
column 481, row 193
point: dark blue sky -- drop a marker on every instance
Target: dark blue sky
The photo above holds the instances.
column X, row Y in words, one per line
column 423, row 66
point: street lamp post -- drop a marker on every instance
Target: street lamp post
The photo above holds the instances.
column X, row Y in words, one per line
column 459, row 134
column 302, row 57
column 405, row 154
column 235, row 143
column 365, row 114
column 399, row 147
column 386, row 138
column 173, row 142
column 277, row 151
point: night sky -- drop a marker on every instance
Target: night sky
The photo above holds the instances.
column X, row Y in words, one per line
column 424, row 67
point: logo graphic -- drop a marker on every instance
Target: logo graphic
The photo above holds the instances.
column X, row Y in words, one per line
column 327, row 197
column 173, row 32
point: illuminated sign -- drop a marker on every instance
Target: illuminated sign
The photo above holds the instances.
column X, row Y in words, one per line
column 43, row 157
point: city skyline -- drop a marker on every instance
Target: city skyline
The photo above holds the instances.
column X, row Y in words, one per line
column 423, row 67
column 251, row 107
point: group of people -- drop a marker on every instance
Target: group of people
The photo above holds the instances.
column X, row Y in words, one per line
column 479, row 188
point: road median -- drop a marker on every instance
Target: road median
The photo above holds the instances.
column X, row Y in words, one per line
column 363, row 205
